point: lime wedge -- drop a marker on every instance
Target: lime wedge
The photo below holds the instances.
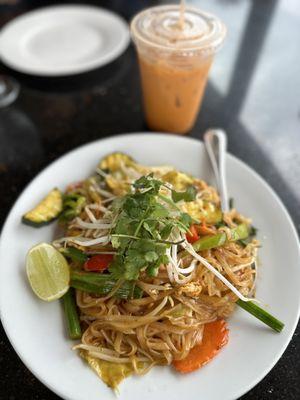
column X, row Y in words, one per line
column 48, row 272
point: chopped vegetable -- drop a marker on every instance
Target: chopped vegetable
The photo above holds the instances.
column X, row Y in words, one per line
column 247, row 240
column 115, row 167
column 46, row 211
column 215, row 336
column 103, row 284
column 192, row 234
column 71, row 314
column 220, row 224
column 72, row 206
column 99, row 262
column 210, row 242
column 261, row 314
column 253, row 231
column 74, row 254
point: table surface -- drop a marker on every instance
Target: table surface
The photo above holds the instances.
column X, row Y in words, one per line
column 253, row 93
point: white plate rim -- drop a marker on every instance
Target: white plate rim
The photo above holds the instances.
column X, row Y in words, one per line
column 51, row 72
column 139, row 135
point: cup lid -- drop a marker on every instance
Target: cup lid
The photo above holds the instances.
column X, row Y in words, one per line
column 160, row 27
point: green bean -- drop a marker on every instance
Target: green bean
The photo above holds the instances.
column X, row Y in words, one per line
column 212, row 241
column 261, row 314
column 71, row 314
column 103, row 284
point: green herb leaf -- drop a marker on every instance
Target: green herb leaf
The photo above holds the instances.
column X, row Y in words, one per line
column 253, row 231
column 186, row 220
column 188, row 195
column 151, row 256
column 220, row 224
column 148, row 182
column 166, row 231
column 144, row 225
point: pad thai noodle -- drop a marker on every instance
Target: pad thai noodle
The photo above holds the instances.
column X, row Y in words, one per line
column 155, row 268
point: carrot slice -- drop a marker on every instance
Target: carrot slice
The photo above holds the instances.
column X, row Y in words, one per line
column 215, row 336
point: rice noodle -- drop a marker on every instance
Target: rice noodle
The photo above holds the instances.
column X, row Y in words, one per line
column 191, row 250
column 188, row 292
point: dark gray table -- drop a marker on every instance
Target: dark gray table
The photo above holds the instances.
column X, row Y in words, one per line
column 253, row 93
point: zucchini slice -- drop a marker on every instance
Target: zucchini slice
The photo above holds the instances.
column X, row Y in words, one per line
column 46, row 211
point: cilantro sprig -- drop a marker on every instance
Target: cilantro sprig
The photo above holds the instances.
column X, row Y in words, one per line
column 145, row 227
column 188, row 195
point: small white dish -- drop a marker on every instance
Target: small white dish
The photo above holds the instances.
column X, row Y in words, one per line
column 37, row 331
column 63, row 40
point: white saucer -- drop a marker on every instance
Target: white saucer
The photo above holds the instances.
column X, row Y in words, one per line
column 63, row 40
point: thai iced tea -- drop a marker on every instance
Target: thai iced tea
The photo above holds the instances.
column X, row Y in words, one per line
column 174, row 63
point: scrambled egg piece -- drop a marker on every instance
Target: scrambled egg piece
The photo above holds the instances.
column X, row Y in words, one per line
column 111, row 373
column 199, row 209
column 191, row 289
column 114, row 161
column 118, row 187
column 203, row 211
column 179, row 180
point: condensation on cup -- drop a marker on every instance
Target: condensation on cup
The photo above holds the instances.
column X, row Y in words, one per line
column 175, row 56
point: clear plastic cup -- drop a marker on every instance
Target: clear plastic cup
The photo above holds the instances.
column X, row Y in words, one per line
column 174, row 63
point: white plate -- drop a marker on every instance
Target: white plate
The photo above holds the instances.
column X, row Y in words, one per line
column 63, row 40
column 36, row 329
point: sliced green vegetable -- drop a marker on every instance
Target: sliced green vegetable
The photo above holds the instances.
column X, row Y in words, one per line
column 72, row 206
column 71, row 314
column 74, row 254
column 247, row 240
column 261, row 314
column 103, row 284
column 46, row 211
column 210, row 242
column 253, row 231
